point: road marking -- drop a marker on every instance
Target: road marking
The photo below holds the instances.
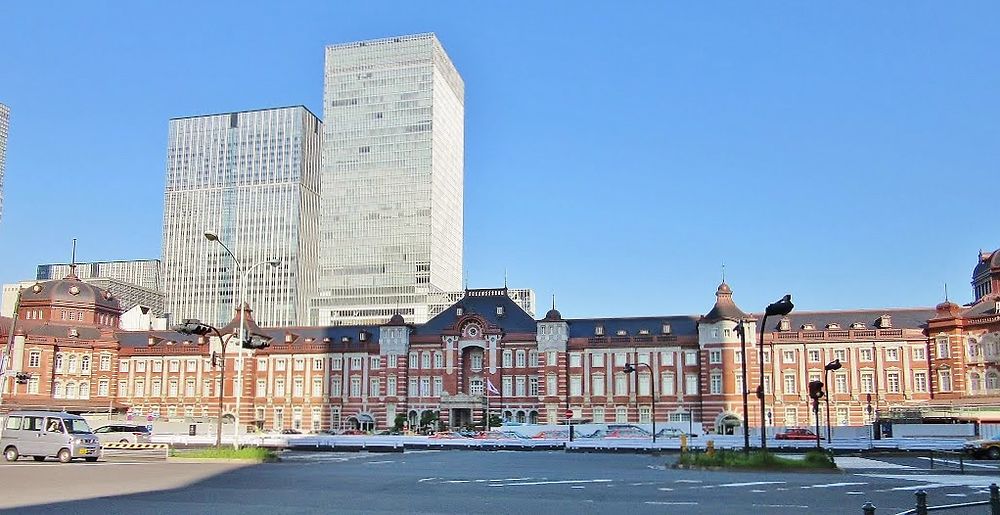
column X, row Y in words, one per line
column 781, row 489
column 380, row 462
column 959, row 464
column 458, row 481
column 752, row 483
column 918, row 487
column 641, row 484
column 427, row 479
column 578, row 487
column 758, row 491
column 665, row 489
column 688, row 481
column 561, row 482
column 513, row 479
column 939, row 480
column 833, row 485
column 854, row 493
column 672, row 503
column 954, row 495
column 852, row 462
column 780, row 506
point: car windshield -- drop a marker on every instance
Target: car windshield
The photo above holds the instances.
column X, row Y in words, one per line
column 77, row 426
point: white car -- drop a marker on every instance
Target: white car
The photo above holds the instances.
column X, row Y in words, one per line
column 122, row 433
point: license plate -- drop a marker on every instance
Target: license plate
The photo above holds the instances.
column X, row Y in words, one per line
column 86, row 451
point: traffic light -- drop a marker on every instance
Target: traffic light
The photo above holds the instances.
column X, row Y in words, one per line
column 256, row 342
column 760, row 391
column 816, row 390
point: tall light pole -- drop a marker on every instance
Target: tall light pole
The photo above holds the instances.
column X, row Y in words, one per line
column 780, row 308
column 238, row 381
column 743, row 370
column 833, row 365
column 629, row 368
column 196, row 327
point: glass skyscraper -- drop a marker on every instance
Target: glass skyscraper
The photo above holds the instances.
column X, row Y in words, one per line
column 393, row 166
column 253, row 178
column 4, row 127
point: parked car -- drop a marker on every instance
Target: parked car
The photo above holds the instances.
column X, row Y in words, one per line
column 670, row 432
column 797, row 433
column 290, row 431
column 41, row 434
column 119, row 433
column 985, row 448
column 353, row 432
column 446, row 435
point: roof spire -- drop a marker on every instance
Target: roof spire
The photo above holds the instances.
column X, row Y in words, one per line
column 553, row 301
column 505, row 278
column 946, row 292
column 72, row 261
column 723, row 272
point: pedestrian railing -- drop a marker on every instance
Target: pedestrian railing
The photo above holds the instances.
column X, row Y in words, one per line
column 922, row 508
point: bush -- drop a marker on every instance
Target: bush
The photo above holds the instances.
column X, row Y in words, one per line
column 226, row 453
column 757, row 460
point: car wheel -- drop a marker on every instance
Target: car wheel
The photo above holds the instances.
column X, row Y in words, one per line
column 123, row 441
column 993, row 453
column 38, row 458
column 10, row 453
column 64, row 456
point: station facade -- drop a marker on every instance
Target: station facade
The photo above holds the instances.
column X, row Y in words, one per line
column 486, row 353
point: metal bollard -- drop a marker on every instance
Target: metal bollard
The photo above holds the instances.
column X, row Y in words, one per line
column 961, row 463
column 932, row 459
column 710, row 448
column 994, row 499
column 921, row 502
column 868, row 508
column 684, row 443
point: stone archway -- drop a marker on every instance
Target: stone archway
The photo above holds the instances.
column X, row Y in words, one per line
column 728, row 423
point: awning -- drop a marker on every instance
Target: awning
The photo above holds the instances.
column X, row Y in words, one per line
column 364, row 418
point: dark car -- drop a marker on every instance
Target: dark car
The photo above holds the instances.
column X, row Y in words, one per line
column 796, row 434
column 291, row 432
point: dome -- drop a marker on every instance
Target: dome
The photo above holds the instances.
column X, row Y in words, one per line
column 947, row 308
column 553, row 314
column 995, row 260
column 69, row 291
column 724, row 288
column 725, row 308
column 397, row 319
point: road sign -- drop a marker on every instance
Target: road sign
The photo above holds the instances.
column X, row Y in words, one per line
column 569, row 413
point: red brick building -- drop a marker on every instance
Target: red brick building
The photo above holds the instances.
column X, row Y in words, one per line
column 544, row 370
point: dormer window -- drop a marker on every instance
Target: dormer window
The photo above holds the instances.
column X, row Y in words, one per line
column 598, row 330
column 459, row 311
column 785, row 325
column 884, row 322
column 362, row 336
column 500, row 311
column 74, row 333
column 621, row 332
column 808, row 327
column 345, row 339
column 833, row 325
column 857, row 325
column 643, row 331
column 665, row 329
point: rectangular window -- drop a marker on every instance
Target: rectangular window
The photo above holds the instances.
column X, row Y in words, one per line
column 375, row 362
column 738, row 357
column 122, row 388
column 374, row 385
column 520, row 385
column 279, row 365
column 355, row 386
column 789, row 384
column 337, row 363
column 414, row 360
column 840, row 383
column 391, row 360
column 261, row 388
column 691, row 384
column 532, row 358
column 621, row 414
column 621, row 385
column 944, row 380
column 533, row 386
column 156, row 388
column 644, row 415
column 553, row 358
column 597, row 386
column 317, row 390
column 667, row 357
column 33, row 385
column 919, row 354
column 105, row 362
column 477, row 362
column 767, row 355
column 619, row 359
column 521, row 359
column 189, row 388
column 644, row 387
column 814, row 356
column 357, row 362
column 34, row 359
column 298, row 387
column 172, row 388
column 892, row 354
column 507, row 386
column 123, row 365
column 867, row 382
column 791, row 417
column 892, row 382
column 425, row 387
column 279, row 387
column 691, row 358
column 739, row 383
column 412, row 390
column 317, row 364
column 175, row 365
column 551, row 385
column 425, row 360
column 788, row 356
column 336, row 388
column 598, row 414
column 299, row 364
column 261, row 364
column 865, row 354
column 668, row 385
column 943, row 347
column 438, row 386
column 715, row 356
column 157, row 366
column 438, row 360
column 597, row 359
column 575, row 359
column 920, row 382
column 840, row 354
column 843, row 416
column 715, row 384
column 191, row 365
column 140, row 389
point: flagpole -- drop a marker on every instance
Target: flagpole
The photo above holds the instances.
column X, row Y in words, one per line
column 6, row 353
column 487, row 425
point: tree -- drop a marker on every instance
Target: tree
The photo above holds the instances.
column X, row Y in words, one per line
column 495, row 421
column 397, row 424
column 427, row 418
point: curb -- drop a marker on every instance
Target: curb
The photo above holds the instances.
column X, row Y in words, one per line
column 248, row 461
column 678, row 466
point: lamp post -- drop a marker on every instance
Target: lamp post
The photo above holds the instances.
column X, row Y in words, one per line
column 629, row 368
column 780, row 308
column 238, row 382
column 195, row 326
column 833, row 365
column 743, row 370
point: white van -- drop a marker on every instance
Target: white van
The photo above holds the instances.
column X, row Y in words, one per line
column 41, row 434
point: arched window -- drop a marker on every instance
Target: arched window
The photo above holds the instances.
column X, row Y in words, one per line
column 72, row 363
column 85, row 364
column 60, row 391
column 84, row 392
column 992, row 381
column 974, row 382
column 71, row 390
column 59, row 362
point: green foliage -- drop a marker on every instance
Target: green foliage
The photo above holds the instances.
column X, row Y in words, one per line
column 427, row 418
column 226, row 453
column 397, row 424
column 757, row 460
column 495, row 421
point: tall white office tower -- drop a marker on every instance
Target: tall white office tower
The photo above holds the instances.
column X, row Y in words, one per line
column 4, row 128
column 253, row 178
column 393, row 165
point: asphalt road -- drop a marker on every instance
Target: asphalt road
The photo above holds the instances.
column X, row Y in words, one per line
column 472, row 482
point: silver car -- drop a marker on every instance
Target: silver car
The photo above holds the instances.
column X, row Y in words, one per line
column 42, row 434
column 120, row 433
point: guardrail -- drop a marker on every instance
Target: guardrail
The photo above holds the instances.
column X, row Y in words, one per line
column 922, row 508
column 134, row 451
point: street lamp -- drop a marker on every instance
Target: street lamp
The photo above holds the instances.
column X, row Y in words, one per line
column 196, row 327
column 780, row 308
column 833, row 365
column 743, row 370
column 629, row 368
column 244, row 342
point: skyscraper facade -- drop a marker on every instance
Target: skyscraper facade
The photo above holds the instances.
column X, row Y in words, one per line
column 141, row 272
column 252, row 178
column 393, row 167
column 4, row 128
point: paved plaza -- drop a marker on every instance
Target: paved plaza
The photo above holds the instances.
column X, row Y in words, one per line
column 476, row 482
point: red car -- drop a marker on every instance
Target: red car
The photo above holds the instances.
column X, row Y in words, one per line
column 796, row 434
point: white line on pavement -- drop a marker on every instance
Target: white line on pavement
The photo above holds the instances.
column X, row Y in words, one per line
column 955, row 495
column 758, row 491
column 688, row 481
column 854, row 493
column 379, row 462
column 673, row 503
column 833, row 485
column 427, row 479
column 561, row 482
column 958, row 464
column 753, row 483
column 780, row 506
column 665, row 489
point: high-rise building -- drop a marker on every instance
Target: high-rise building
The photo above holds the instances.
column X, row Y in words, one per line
column 4, row 128
column 252, row 178
column 393, row 166
column 140, row 272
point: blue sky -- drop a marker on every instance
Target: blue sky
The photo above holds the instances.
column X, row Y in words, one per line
column 617, row 154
